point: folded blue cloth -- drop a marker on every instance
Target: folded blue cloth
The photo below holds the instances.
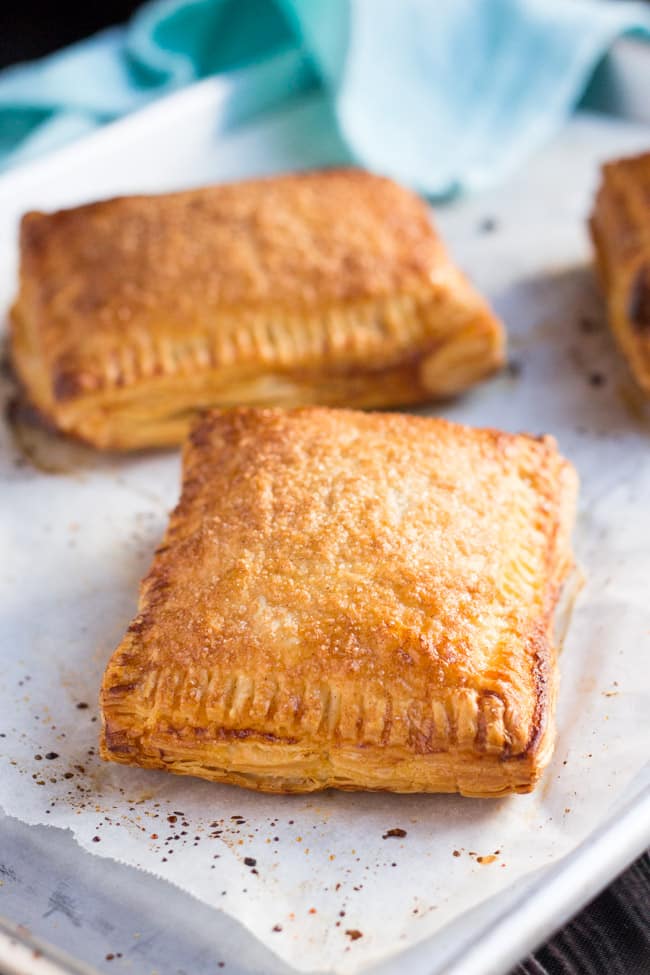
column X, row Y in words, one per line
column 444, row 95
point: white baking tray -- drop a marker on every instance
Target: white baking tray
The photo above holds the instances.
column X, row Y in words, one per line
column 195, row 137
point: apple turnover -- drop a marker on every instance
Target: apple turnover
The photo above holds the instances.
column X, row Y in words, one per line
column 350, row 600
column 327, row 287
column 620, row 228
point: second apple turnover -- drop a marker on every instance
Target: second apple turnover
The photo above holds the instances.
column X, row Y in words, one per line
column 330, row 287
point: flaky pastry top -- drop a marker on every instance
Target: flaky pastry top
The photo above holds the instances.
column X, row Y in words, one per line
column 361, row 566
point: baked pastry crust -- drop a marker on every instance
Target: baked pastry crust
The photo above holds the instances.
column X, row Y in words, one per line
column 620, row 229
column 349, row 600
column 325, row 287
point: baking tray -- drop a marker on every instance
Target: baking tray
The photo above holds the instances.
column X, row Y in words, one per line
column 110, row 916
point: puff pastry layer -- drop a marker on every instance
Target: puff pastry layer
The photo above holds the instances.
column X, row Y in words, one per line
column 620, row 228
column 355, row 600
column 325, row 287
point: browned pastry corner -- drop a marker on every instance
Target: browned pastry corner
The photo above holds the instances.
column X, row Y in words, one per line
column 325, row 287
column 348, row 599
column 620, row 228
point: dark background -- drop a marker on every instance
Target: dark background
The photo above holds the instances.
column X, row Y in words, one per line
column 29, row 29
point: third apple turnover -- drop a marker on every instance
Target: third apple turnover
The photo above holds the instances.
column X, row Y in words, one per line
column 620, row 228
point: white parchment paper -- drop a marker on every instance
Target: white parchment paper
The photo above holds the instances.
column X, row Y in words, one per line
column 319, row 879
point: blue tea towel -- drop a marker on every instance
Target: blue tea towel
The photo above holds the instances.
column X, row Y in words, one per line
column 444, row 95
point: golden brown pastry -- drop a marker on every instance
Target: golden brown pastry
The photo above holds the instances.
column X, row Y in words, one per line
column 325, row 287
column 620, row 228
column 350, row 599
